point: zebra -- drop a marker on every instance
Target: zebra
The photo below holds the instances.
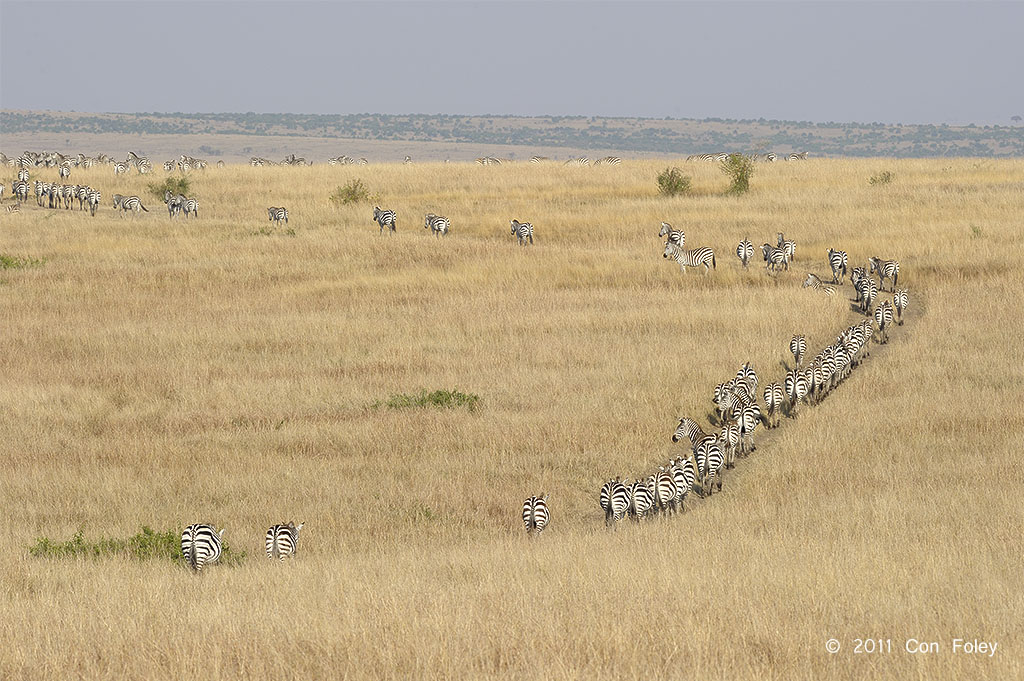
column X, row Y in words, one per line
column 814, row 282
column 385, row 218
column 581, row 161
column 798, row 346
column 2, row 188
column 70, row 191
column 899, row 298
column 692, row 258
column 608, row 160
column 675, row 236
column 771, row 157
column 883, row 318
column 23, row 174
column 437, row 224
column 192, row 206
column 83, row 196
column 788, row 246
column 887, row 269
column 614, row 501
column 220, row 164
column 94, row 201
column 750, row 416
column 522, row 231
column 730, row 438
column 709, row 465
column 173, row 202
column 745, row 251
column 488, row 161
column 126, row 203
column 641, row 500
column 539, row 159
column 867, row 291
column 42, row 189
column 837, row 260
column 802, row 156
column 276, row 214
column 747, row 375
column 64, row 171
column 796, row 390
column 407, row 161
column 665, row 490
column 684, row 475
column 14, row 208
column 282, row 540
column 20, row 190
column 120, row 168
column 689, row 429
column 773, row 257
column 773, row 397
column 535, row 514
column 201, row 545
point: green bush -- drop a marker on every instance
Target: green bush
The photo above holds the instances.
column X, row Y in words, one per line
column 439, row 399
column 146, row 544
column 739, row 168
column 353, row 192
column 884, row 177
column 174, row 185
column 17, row 262
column 672, row 182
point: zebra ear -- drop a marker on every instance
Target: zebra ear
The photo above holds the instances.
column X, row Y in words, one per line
column 545, row 497
column 299, row 527
column 222, row 532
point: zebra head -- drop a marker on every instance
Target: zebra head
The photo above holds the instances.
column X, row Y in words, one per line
column 811, row 281
column 670, row 250
column 428, row 220
column 665, row 229
column 680, row 431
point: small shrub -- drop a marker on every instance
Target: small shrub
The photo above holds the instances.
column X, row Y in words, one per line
column 672, row 182
column 17, row 262
column 353, row 192
column 439, row 399
column 975, row 232
column 146, row 544
column 175, row 185
column 884, row 177
column 739, row 168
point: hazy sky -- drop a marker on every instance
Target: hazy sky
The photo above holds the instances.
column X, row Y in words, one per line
column 888, row 62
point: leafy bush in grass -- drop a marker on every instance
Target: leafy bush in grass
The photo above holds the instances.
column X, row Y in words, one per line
column 672, row 182
column 146, row 544
column 439, row 399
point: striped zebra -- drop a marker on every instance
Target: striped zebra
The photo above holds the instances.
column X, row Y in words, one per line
column 488, row 161
column 535, row 514
column 83, row 196
column 608, row 161
column 2, row 188
column 899, row 298
column 277, row 214
column 750, row 416
column 745, row 251
column 120, row 168
column 787, row 245
column 201, row 545
column 220, row 163
column 867, row 291
column 437, row 224
column 684, row 475
column 675, row 236
column 581, row 161
column 283, row 540
column 692, row 258
column 20, row 190
column 689, row 429
column 730, row 439
column 815, row 283
column 94, row 201
column 773, row 257
column 174, row 203
column 128, row 203
column 407, row 161
column 837, row 260
column 883, row 319
column 539, row 159
column 802, row 156
column 886, row 269
column 747, row 375
column 192, row 206
column 641, row 500
column 798, row 346
column 70, row 191
column 709, row 465
column 42, row 189
column 385, row 218
column 522, row 231
column 796, row 390
column 773, row 400
column 64, row 171
column 14, row 208
column 665, row 490
column 614, row 501
column 771, row 157
column 23, row 174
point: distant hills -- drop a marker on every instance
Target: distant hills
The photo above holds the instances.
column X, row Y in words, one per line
column 644, row 136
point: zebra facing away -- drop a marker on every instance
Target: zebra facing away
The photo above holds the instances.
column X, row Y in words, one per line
column 675, row 236
column 201, row 545
column 773, row 257
column 788, row 246
column 276, row 214
column 709, row 465
column 694, row 258
column 283, row 540
column 437, row 224
column 522, row 231
column 773, row 398
column 535, row 514
column 837, row 260
column 883, row 319
column 899, row 301
column 798, row 346
column 745, row 251
column 385, row 218
column 614, row 501
column 887, row 269
column 641, row 500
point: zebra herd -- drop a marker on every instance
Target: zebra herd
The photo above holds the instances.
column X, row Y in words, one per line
column 186, row 163
column 201, row 544
column 769, row 157
column 56, row 195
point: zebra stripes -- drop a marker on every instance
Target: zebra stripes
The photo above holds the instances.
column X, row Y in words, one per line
column 608, row 161
column 883, row 319
column 282, row 540
column 773, row 257
column 128, row 203
column 692, row 258
column 201, row 545
column 816, row 284
column 709, row 465
column 796, row 390
column 641, row 500
column 488, row 161
column 773, row 400
column 385, row 218
column 886, row 269
column 788, row 247
column 899, row 301
column 276, row 214
column 675, row 236
column 535, row 514
column 745, row 251
column 798, row 346
column 802, row 156
column 837, row 261
column 522, row 231
column 614, row 500
column 437, row 224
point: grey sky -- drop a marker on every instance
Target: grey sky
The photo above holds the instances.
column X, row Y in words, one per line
column 887, row 62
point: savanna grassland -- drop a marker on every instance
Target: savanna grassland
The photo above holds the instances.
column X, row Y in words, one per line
column 157, row 372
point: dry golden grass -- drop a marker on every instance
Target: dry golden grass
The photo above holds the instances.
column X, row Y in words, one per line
column 161, row 373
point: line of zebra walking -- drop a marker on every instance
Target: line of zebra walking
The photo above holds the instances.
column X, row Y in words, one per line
column 202, row 544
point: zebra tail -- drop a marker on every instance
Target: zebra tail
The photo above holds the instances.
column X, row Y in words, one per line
column 713, row 265
column 143, row 207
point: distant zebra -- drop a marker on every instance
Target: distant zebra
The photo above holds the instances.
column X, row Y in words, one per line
column 539, row 159
column 675, row 236
column 120, row 168
column 581, row 161
column 709, row 465
column 94, row 201
column 201, row 545
column 535, row 514
column 408, row 160
column 693, row 258
column 64, row 172
column 867, row 291
column 83, row 196
column 20, row 190
column 283, row 540
column 614, row 501
column 796, row 390
column 608, row 160
column 174, row 203
column 773, row 398
column 128, row 203
column 814, row 282
column 788, row 246
column 899, row 300
column 220, row 164
column 437, row 224
column 886, row 269
column 192, row 206
column 276, row 214
column 385, row 218
column 802, row 156
column 42, row 189
column 745, row 251
column 837, row 260
column 770, row 157
column 883, row 319
column 488, row 161
column 798, row 346
column 522, row 231
column 773, row 257
column 23, row 174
